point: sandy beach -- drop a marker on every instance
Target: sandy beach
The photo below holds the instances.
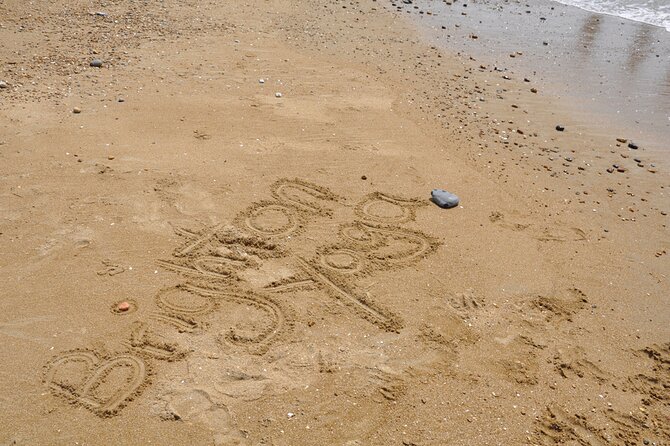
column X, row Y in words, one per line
column 223, row 234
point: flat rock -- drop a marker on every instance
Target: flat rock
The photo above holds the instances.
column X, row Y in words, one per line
column 444, row 199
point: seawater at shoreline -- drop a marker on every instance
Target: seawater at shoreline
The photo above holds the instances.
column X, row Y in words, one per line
column 612, row 74
column 651, row 12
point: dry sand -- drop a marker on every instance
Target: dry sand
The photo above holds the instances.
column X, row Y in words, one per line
column 289, row 282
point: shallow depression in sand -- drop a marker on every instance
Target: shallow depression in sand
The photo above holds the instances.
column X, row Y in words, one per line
column 342, row 260
column 272, row 219
column 384, row 210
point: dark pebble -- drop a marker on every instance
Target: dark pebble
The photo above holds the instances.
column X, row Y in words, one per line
column 560, row 128
column 364, row 177
column 632, row 145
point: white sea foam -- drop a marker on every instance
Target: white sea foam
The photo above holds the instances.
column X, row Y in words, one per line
column 654, row 12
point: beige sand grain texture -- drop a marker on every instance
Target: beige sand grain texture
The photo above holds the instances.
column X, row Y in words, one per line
column 288, row 280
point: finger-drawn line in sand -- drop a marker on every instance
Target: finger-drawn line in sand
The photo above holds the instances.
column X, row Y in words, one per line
column 270, row 219
column 360, row 235
column 182, row 323
column 195, row 240
column 184, row 300
column 361, row 304
column 385, row 208
column 341, row 260
column 227, row 243
column 387, row 246
column 145, row 343
column 258, row 342
column 401, row 245
column 103, row 386
column 303, row 195
column 111, row 268
column 295, row 283
column 212, row 267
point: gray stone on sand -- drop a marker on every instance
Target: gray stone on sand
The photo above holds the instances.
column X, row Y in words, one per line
column 97, row 63
column 3, row 84
column 444, row 199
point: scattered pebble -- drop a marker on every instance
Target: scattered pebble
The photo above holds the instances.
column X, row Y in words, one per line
column 533, row 90
column 121, row 100
column 632, row 145
column 3, row 84
column 364, row 177
column 261, row 81
column 560, row 128
column 622, row 140
column 97, row 63
column 123, row 306
column 76, row 110
column 278, row 95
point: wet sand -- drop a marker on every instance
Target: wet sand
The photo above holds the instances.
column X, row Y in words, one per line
column 253, row 180
column 613, row 74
